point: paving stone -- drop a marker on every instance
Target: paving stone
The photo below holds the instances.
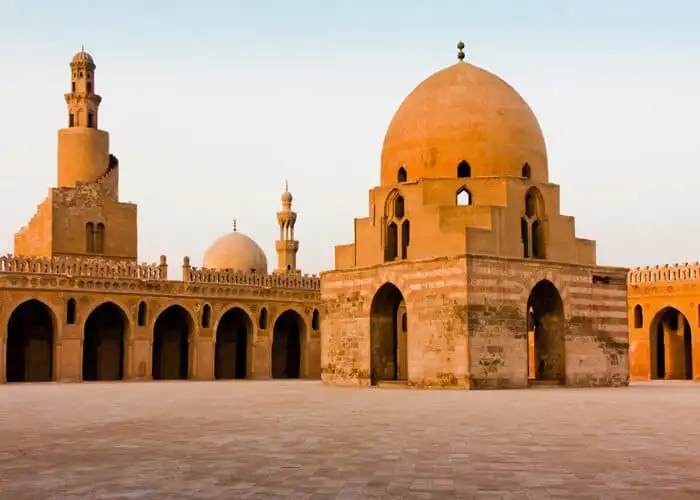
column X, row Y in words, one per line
column 302, row 440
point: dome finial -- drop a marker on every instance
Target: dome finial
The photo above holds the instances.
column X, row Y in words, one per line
column 286, row 186
column 235, row 224
column 460, row 50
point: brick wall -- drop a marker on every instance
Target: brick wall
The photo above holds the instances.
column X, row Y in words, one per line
column 435, row 295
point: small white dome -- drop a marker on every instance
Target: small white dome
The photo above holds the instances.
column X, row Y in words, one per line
column 237, row 252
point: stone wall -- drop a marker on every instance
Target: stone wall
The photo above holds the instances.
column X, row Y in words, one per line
column 435, row 293
column 652, row 292
column 55, row 292
column 594, row 327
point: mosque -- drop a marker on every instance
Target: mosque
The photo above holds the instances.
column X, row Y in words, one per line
column 464, row 273
column 77, row 306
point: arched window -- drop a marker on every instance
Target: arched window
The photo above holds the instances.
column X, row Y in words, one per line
column 524, row 235
column 405, row 238
column 527, row 171
column 91, row 120
column 638, row 316
column 315, row 320
column 464, row 197
column 390, row 250
column 89, row 237
column 99, row 245
column 399, row 207
column 262, row 320
column 206, row 316
column 533, row 203
column 401, row 176
column 71, row 120
column 537, row 240
column 70, row 311
column 142, row 314
column 464, row 169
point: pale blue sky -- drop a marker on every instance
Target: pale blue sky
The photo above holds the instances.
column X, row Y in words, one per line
column 212, row 105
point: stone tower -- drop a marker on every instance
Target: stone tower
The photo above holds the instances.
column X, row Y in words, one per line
column 83, row 149
column 82, row 216
column 287, row 247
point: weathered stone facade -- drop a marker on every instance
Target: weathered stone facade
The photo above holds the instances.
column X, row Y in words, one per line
column 72, row 293
column 465, row 273
column 467, row 322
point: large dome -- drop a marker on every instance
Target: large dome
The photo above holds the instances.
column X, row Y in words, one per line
column 235, row 251
column 463, row 113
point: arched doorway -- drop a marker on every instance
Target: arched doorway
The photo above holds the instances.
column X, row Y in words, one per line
column 30, row 343
column 231, row 352
column 546, row 333
column 287, row 344
column 171, row 334
column 671, row 346
column 103, row 347
column 388, row 335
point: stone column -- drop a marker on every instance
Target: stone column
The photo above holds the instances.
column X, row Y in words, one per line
column 203, row 368
column 261, row 366
column 313, row 357
column 139, row 355
column 68, row 353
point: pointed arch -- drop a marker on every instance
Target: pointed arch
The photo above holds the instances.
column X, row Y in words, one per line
column 31, row 331
column 526, row 171
column 534, row 203
column 402, row 175
column 171, row 337
column 104, row 343
column 464, row 169
column 234, row 340
column 464, row 197
column 399, row 207
column 546, row 314
column 388, row 346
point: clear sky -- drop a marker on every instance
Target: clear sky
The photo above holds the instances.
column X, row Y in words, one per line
column 211, row 106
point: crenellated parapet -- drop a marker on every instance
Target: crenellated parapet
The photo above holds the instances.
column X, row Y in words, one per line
column 664, row 274
column 79, row 266
column 229, row 277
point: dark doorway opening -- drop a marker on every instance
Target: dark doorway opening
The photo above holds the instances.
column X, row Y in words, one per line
column 287, row 345
column 171, row 344
column 103, row 347
column 388, row 335
column 231, row 353
column 671, row 346
column 30, row 343
column 546, row 338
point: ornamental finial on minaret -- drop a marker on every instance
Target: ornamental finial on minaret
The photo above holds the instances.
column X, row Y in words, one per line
column 460, row 50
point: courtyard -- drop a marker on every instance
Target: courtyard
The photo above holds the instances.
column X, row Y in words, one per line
column 302, row 440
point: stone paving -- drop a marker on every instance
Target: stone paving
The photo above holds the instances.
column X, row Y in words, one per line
column 301, row 440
